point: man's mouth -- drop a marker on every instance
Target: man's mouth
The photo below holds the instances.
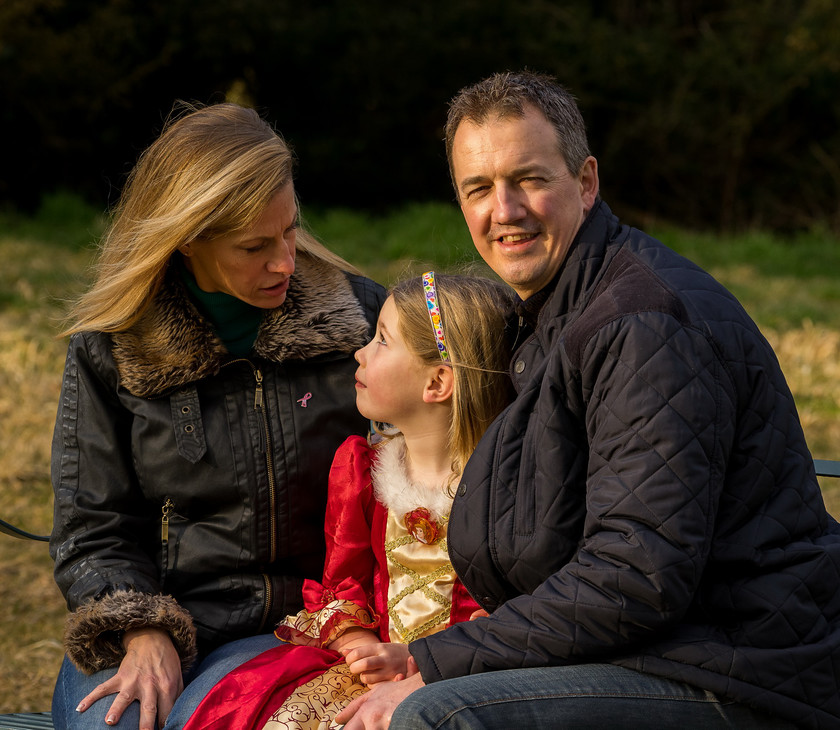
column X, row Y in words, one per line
column 515, row 237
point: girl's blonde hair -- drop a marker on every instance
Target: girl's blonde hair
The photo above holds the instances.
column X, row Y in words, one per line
column 473, row 316
column 211, row 173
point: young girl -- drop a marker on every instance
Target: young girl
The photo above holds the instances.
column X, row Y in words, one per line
column 436, row 373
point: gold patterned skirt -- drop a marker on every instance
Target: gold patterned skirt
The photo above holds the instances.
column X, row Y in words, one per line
column 314, row 705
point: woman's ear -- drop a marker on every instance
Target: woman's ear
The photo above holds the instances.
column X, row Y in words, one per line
column 185, row 249
column 440, row 384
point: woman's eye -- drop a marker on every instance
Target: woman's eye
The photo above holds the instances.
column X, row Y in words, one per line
column 380, row 339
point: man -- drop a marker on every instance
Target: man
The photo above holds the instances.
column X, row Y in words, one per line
column 643, row 523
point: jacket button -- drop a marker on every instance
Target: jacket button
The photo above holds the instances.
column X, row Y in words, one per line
column 462, row 490
column 519, row 367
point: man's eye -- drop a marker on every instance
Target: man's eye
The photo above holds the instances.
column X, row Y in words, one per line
column 476, row 192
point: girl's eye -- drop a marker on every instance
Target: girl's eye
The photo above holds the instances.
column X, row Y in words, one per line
column 380, row 339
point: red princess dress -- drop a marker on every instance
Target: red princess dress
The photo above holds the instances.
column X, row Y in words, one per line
column 387, row 569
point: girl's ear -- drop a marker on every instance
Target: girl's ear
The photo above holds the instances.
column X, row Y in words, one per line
column 440, row 384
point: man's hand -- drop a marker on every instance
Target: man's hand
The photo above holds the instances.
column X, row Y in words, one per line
column 375, row 663
column 150, row 672
column 373, row 710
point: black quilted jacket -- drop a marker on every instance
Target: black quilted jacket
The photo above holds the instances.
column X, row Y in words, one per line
column 648, row 499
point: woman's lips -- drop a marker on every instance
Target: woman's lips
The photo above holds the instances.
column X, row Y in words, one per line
column 277, row 288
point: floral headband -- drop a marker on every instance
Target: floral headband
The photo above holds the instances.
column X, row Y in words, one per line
column 434, row 313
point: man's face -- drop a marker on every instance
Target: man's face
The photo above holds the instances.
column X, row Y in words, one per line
column 522, row 205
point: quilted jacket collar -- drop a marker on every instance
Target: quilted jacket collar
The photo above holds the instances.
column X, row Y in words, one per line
column 584, row 265
column 173, row 345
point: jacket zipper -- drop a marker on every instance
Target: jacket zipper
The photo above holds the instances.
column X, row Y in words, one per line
column 268, row 599
column 167, row 509
column 259, row 405
column 519, row 326
column 269, row 462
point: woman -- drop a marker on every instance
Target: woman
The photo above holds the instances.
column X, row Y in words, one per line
column 208, row 382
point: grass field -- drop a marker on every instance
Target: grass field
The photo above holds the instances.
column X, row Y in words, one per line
column 790, row 286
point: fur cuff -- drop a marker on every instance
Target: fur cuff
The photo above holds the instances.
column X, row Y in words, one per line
column 93, row 634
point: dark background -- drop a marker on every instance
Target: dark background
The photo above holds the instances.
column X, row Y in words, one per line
column 713, row 115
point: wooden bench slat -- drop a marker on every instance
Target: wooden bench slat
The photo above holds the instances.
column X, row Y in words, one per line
column 827, row 468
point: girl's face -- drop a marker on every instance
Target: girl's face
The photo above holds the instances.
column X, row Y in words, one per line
column 253, row 265
column 390, row 379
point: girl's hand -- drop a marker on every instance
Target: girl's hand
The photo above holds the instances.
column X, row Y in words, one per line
column 150, row 672
column 376, row 663
column 480, row 613
column 352, row 638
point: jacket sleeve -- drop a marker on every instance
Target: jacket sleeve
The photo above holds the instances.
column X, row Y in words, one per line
column 657, row 406
column 101, row 523
column 345, row 596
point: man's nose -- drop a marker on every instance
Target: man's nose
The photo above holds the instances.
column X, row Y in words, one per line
column 509, row 205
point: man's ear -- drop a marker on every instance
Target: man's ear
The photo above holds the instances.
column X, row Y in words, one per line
column 589, row 184
column 440, row 384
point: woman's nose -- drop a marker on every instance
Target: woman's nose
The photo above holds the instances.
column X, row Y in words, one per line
column 282, row 260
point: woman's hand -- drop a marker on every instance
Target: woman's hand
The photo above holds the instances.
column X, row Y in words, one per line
column 150, row 672
column 373, row 710
column 378, row 662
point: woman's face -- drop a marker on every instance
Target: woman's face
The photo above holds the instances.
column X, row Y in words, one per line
column 253, row 265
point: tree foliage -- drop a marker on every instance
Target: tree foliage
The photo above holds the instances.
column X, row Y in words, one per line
column 713, row 114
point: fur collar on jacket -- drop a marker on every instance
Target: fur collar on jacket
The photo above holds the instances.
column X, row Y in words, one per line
column 173, row 345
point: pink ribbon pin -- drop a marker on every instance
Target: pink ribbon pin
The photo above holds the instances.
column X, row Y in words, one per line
column 303, row 400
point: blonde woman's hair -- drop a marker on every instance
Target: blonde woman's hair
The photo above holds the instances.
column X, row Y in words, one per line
column 211, row 173
column 473, row 315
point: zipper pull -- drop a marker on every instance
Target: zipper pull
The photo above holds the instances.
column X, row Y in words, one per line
column 258, row 394
column 168, row 507
column 519, row 326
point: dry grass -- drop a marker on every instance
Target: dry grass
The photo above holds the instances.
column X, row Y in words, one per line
column 34, row 276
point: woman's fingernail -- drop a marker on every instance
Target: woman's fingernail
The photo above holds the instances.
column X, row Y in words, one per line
column 110, row 720
column 81, row 707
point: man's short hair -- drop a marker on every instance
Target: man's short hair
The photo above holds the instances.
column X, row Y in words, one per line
column 507, row 95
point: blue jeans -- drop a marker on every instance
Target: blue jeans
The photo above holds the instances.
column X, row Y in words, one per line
column 573, row 697
column 72, row 686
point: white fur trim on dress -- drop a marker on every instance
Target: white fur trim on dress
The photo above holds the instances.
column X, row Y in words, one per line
column 394, row 490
